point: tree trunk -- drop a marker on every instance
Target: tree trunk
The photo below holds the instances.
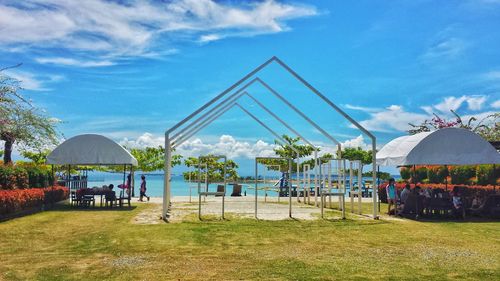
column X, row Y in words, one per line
column 7, row 153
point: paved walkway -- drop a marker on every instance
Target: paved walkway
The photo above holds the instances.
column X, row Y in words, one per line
column 243, row 207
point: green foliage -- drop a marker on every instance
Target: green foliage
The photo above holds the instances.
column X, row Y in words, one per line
column 25, row 175
column 39, row 157
column 420, row 174
column 486, row 174
column 405, row 173
column 488, row 127
column 351, row 153
column 21, row 122
column 285, row 151
column 153, row 158
column 462, row 174
column 380, row 175
column 437, row 174
column 215, row 169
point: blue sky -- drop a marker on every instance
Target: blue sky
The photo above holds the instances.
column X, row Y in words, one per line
column 131, row 69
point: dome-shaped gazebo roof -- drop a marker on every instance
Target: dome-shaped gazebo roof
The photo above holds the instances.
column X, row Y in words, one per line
column 449, row 146
column 90, row 149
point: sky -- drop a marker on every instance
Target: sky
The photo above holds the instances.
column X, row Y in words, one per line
column 130, row 70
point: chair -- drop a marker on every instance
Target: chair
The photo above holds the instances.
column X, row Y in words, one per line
column 74, row 199
column 110, row 197
column 87, row 199
column 220, row 188
column 236, row 190
column 123, row 198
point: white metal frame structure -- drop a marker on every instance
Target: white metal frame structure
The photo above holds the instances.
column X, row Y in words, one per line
column 265, row 188
column 358, row 166
column 176, row 135
column 289, row 182
column 206, row 192
column 340, row 164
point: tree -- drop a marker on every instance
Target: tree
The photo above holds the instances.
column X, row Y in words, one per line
column 153, row 158
column 214, row 166
column 21, row 122
column 39, row 157
column 351, row 153
column 488, row 127
column 285, row 151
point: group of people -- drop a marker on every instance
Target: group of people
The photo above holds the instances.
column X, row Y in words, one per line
column 142, row 190
column 418, row 200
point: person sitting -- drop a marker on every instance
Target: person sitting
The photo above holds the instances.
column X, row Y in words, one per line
column 403, row 197
column 405, row 193
column 476, row 202
column 458, row 210
column 426, row 200
column 110, row 196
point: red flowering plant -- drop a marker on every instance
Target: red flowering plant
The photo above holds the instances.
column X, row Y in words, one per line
column 12, row 201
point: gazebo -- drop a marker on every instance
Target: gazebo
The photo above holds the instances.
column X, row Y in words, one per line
column 448, row 146
column 92, row 149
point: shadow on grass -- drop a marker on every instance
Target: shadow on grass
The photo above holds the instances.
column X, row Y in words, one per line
column 68, row 208
column 453, row 220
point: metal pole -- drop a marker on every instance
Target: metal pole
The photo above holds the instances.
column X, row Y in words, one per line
column 351, row 185
column 374, row 176
column 199, row 188
column 224, row 195
column 298, row 178
column 256, row 175
column 316, row 189
column 221, row 94
column 360, row 185
column 166, row 179
column 290, row 187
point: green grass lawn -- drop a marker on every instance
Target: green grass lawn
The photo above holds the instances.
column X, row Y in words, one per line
column 65, row 244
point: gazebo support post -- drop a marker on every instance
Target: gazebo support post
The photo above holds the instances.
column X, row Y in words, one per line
column 166, row 179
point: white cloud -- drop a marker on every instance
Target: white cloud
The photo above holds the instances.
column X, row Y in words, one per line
column 492, row 75
column 496, row 104
column 111, row 29
column 74, row 62
column 362, row 108
column 225, row 145
column 359, row 141
column 445, row 49
column 30, row 81
column 210, row 37
column 393, row 118
column 145, row 140
column 396, row 118
column 475, row 102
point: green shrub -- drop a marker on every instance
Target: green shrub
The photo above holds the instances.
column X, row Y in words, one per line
column 25, row 175
column 437, row 174
column 485, row 175
column 405, row 173
column 462, row 174
column 420, row 174
column 21, row 178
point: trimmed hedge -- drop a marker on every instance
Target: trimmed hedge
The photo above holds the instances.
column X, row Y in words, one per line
column 13, row 201
column 477, row 175
column 24, row 175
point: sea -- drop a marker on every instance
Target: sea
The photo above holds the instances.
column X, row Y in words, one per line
column 179, row 186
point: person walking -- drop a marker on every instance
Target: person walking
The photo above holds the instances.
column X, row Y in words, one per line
column 143, row 189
